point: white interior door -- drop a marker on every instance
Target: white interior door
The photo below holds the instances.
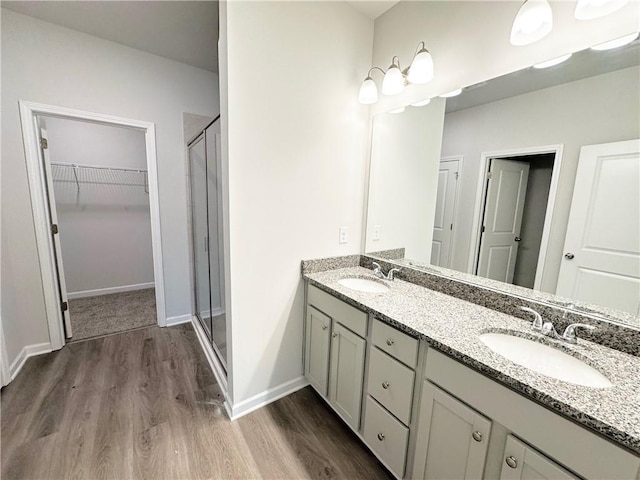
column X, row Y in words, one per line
column 506, row 192
column 601, row 262
column 444, row 212
column 53, row 217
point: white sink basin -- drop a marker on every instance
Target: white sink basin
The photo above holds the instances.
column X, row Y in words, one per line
column 544, row 359
column 364, row 285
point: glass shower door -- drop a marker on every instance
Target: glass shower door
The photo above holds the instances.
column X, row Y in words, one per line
column 199, row 206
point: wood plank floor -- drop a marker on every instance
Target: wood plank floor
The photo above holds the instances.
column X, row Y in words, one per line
column 144, row 404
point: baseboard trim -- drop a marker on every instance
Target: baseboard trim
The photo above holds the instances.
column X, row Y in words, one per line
column 260, row 400
column 178, row 320
column 26, row 352
column 214, row 363
column 109, row 290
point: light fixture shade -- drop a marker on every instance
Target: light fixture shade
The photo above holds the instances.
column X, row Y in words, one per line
column 553, row 61
column 393, row 82
column 590, row 9
column 616, row 42
column 533, row 21
column 421, row 70
column 368, row 92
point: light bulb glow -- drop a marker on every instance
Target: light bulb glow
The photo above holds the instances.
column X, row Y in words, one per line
column 533, row 21
column 616, row 42
column 421, row 70
column 397, row 110
column 452, row 93
column 590, row 9
column 368, row 92
column 393, row 82
column 421, row 103
column 553, row 61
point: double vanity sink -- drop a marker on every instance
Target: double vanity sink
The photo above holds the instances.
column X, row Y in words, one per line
column 522, row 393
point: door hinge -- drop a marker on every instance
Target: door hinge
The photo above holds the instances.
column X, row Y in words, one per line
column 44, row 143
column 489, row 175
column 64, row 306
column 54, row 229
column 451, row 227
column 457, row 174
column 482, row 229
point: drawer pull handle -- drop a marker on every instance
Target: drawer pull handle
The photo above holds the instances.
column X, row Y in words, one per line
column 324, row 327
column 389, row 341
column 477, row 436
column 385, row 385
column 381, row 436
column 511, row 461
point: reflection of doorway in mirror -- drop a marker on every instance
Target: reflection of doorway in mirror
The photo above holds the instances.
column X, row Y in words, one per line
column 601, row 261
column 513, row 217
column 444, row 219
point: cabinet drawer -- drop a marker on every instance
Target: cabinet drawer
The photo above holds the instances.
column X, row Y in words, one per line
column 352, row 318
column 386, row 436
column 395, row 343
column 391, row 384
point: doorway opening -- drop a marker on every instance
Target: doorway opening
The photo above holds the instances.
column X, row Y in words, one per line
column 86, row 201
column 516, row 203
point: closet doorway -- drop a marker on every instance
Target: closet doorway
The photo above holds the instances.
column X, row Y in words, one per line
column 93, row 186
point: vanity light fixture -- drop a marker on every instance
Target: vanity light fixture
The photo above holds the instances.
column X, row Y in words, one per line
column 421, row 103
column 420, row 71
column 590, row 9
column 553, row 61
column 616, row 42
column 397, row 110
column 452, row 93
column 533, row 21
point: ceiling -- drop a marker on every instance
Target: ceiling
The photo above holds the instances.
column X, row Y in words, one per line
column 184, row 31
column 372, row 9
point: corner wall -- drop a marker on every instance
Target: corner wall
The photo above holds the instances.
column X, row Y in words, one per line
column 45, row 63
column 296, row 151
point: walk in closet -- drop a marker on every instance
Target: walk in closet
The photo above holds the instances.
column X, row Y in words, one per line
column 205, row 178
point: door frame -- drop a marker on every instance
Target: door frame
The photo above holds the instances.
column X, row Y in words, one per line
column 481, row 193
column 456, row 203
column 37, row 184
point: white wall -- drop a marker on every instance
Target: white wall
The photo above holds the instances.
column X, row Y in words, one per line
column 403, row 181
column 469, row 41
column 595, row 110
column 105, row 224
column 45, row 63
column 295, row 140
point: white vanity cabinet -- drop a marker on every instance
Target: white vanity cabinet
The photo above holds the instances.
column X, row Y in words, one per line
column 452, row 438
column 523, row 462
column 335, row 352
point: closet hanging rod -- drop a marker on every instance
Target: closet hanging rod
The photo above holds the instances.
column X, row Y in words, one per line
column 98, row 167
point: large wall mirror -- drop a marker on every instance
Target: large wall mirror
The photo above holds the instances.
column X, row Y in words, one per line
column 531, row 179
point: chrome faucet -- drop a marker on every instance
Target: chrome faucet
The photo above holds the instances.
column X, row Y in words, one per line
column 377, row 271
column 547, row 328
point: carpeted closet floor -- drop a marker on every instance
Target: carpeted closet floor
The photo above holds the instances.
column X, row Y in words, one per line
column 117, row 312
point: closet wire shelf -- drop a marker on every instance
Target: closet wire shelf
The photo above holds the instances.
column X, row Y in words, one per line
column 99, row 175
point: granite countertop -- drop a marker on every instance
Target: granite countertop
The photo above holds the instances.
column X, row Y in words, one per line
column 453, row 326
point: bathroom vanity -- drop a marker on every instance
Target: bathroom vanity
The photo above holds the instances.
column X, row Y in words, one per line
column 405, row 367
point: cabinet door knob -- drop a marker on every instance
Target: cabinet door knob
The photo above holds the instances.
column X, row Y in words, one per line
column 569, row 256
column 389, row 341
column 477, row 436
column 381, row 436
column 511, row 461
column 334, row 334
column 385, row 385
column 324, row 327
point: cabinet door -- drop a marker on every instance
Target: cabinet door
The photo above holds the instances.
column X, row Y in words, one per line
column 452, row 438
column 316, row 359
column 521, row 462
column 347, row 370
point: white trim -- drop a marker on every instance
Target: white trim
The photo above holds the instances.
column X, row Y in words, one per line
column 481, row 193
column 5, row 371
column 37, row 187
column 178, row 320
column 268, row 396
column 27, row 352
column 214, row 362
column 110, row 290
